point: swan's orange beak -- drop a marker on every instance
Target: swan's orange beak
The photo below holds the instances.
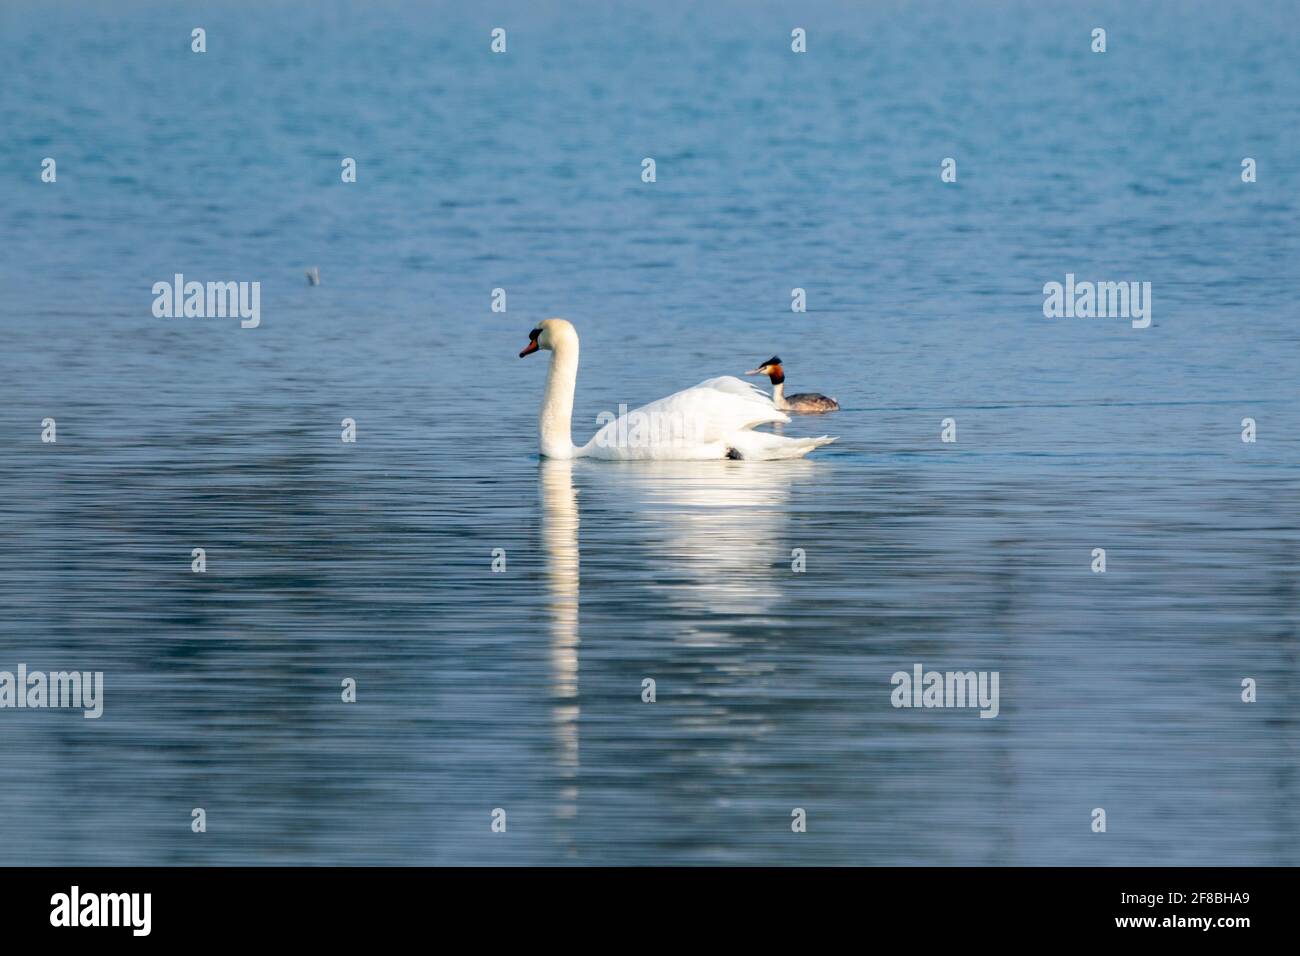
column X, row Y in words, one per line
column 532, row 345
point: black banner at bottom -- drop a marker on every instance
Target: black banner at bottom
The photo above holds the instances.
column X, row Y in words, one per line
column 183, row 905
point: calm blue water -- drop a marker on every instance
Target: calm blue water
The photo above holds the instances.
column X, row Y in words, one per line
column 522, row 690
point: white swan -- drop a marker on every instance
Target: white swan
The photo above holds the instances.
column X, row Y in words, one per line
column 713, row 420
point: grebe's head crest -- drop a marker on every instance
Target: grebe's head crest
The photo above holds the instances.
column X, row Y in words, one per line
column 772, row 369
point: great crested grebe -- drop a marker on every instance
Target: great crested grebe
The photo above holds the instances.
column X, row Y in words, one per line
column 803, row 402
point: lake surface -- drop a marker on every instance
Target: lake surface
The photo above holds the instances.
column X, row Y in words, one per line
column 522, row 690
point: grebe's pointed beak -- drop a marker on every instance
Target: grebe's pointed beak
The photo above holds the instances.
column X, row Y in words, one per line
column 755, row 371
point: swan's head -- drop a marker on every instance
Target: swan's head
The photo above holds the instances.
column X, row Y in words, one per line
column 772, row 369
column 550, row 334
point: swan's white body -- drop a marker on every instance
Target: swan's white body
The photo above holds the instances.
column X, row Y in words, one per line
column 713, row 420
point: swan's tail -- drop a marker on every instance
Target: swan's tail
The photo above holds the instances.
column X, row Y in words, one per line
column 764, row 446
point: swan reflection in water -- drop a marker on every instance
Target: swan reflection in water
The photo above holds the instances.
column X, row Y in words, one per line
column 560, row 553
column 711, row 538
column 706, row 537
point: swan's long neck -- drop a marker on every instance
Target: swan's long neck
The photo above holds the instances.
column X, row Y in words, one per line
column 778, row 394
column 557, row 403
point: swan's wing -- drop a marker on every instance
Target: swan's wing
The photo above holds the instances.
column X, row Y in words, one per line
column 715, row 408
column 736, row 386
column 703, row 415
